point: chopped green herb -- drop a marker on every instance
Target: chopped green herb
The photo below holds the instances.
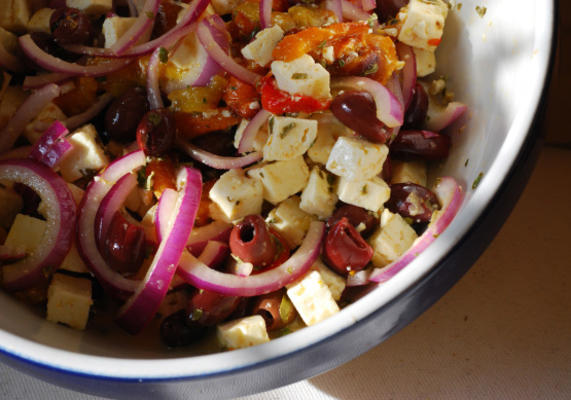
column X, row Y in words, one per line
column 371, row 69
column 322, row 44
column 341, row 62
column 101, row 79
column 477, row 180
column 364, row 189
column 286, row 308
column 150, row 15
column 299, row 75
column 234, row 88
column 163, row 55
column 196, row 314
column 286, row 129
column 481, row 11
column 466, row 162
column 155, row 118
column 271, row 124
column 459, row 6
column 141, row 177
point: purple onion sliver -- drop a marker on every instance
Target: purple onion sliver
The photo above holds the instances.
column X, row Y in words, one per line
column 266, row 13
column 199, row 237
column 337, row 7
column 163, row 214
column 439, row 118
column 153, row 89
column 81, row 119
column 406, row 54
column 251, row 130
column 144, row 22
column 216, row 161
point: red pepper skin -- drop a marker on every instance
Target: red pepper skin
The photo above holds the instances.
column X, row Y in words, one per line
column 279, row 102
column 345, row 249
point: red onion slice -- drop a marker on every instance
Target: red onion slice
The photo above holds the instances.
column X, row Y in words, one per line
column 353, row 13
column 266, row 13
column 406, row 54
column 368, row 5
column 153, row 89
column 86, row 234
column 142, row 306
column 144, row 22
column 10, row 254
column 24, row 115
column 198, row 274
column 251, row 130
column 9, row 61
column 60, row 213
column 37, row 81
column 337, row 7
column 389, row 108
column 51, row 146
column 359, row 278
column 222, row 58
column 450, row 195
column 215, row 231
column 214, row 254
column 164, row 212
column 54, row 64
column 439, row 118
column 81, row 119
column 216, row 161
column 112, row 203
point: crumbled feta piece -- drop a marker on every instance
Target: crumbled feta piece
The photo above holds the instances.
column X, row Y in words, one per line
column 369, row 194
column 409, row 172
column 281, row 179
column 42, row 121
column 259, row 140
column 69, row 301
column 236, row 195
column 243, row 332
column 40, row 21
column 115, row 27
column 223, row 7
column 302, row 76
column 73, row 261
column 25, row 233
column 289, row 137
column 11, row 206
column 355, row 158
column 392, row 239
column 312, row 298
column 318, row 197
column 290, row 221
column 14, row 15
column 329, row 129
column 335, row 282
column 94, row 7
column 425, row 61
column 260, row 49
column 423, row 23
column 85, row 156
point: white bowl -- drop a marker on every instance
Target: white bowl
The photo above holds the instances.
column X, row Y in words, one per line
column 499, row 65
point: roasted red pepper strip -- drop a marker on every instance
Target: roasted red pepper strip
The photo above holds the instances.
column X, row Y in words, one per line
column 279, row 102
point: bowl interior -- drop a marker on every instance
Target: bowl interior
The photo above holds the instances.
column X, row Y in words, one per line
column 495, row 63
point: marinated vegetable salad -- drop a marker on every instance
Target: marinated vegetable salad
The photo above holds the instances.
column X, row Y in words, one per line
column 237, row 168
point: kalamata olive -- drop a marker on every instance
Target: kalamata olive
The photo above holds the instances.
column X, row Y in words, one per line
column 357, row 110
column 124, row 114
column 156, row 132
column 425, row 145
column 356, row 216
column 166, row 17
column 251, row 241
column 387, row 9
column 416, row 112
column 71, row 26
column 209, row 308
column 412, row 201
column 46, row 42
column 345, row 249
column 178, row 330
column 123, row 246
column 276, row 311
column 30, row 199
column 387, row 171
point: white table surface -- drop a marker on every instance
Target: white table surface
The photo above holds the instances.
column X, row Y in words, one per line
column 503, row 332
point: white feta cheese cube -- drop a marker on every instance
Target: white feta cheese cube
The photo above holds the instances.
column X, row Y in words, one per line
column 289, row 137
column 243, row 332
column 355, row 158
column 369, row 194
column 425, row 61
column 14, row 15
column 259, row 140
column 392, row 239
column 281, row 179
column 93, row 7
column 40, row 21
column 423, row 23
column 11, row 205
column 86, row 155
column 223, row 7
column 236, row 195
column 409, row 172
column 335, row 282
column 312, row 298
column 260, row 49
column 69, row 301
column 290, row 221
column 25, row 233
column 76, row 193
column 115, row 27
column 329, row 129
column 73, row 261
column 318, row 197
column 302, row 76
column 42, row 121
